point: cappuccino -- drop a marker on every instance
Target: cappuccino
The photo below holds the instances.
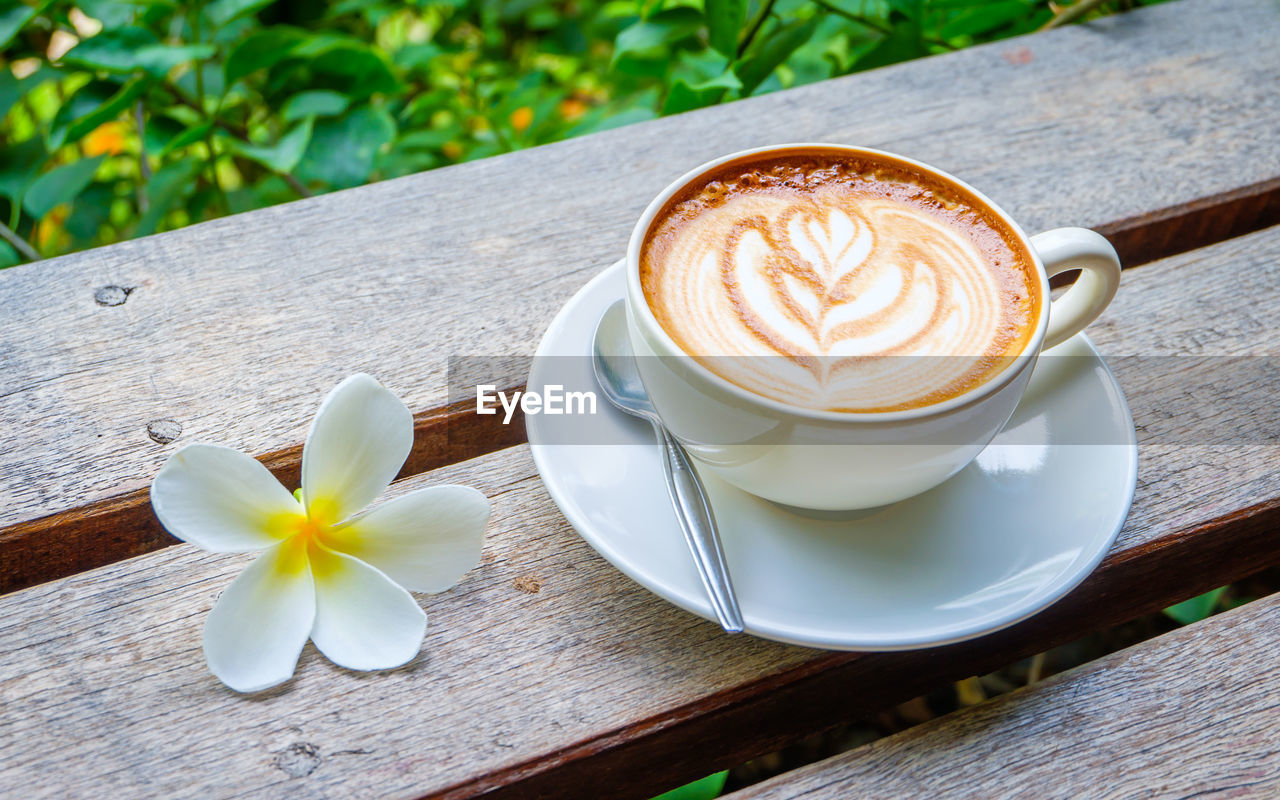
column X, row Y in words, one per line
column 840, row 282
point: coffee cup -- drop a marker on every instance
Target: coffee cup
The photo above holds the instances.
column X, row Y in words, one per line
column 842, row 415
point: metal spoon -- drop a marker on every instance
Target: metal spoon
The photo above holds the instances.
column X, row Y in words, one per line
column 616, row 372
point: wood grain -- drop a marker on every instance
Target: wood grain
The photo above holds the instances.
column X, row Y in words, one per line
column 1160, row 132
column 1192, row 713
column 124, row 525
column 1201, row 222
column 587, row 686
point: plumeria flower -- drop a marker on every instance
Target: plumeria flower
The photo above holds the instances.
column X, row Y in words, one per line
column 328, row 570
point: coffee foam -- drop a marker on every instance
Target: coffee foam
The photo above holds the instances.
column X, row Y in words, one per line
column 839, row 285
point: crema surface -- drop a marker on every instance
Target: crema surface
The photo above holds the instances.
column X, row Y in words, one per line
column 839, row 285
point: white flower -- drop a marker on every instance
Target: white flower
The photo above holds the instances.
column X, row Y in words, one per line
column 327, row 571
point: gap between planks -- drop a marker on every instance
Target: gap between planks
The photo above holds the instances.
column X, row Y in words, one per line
column 785, row 708
column 1166, row 117
column 1191, row 712
column 124, row 526
column 658, row 696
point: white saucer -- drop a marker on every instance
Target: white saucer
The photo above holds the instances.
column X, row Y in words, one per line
column 1010, row 534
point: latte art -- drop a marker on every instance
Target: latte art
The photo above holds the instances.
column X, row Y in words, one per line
column 836, row 293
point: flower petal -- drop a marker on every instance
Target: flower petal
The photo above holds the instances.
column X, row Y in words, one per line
column 425, row 541
column 358, row 441
column 221, row 500
column 256, row 630
column 363, row 620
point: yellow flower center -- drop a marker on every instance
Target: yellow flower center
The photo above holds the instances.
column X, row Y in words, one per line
column 302, row 532
column 310, row 526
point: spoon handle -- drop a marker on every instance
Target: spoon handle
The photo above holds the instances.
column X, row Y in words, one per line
column 699, row 526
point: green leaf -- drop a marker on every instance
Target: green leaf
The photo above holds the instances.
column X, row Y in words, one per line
column 187, row 137
column 911, row 9
column 213, row 83
column 19, row 166
column 605, row 123
column 322, row 42
column 763, row 59
column 95, row 103
column 639, row 108
column 90, row 211
column 725, row 80
column 59, row 186
column 684, row 96
column 354, row 69
column 871, row 11
column 160, row 131
column 11, row 91
column 662, row 28
column 315, row 103
column 78, row 105
column 401, row 161
column 220, row 12
column 116, row 13
column 1197, row 608
column 416, row 56
column 260, row 50
column 426, row 139
column 985, row 18
column 267, row 192
column 202, row 199
column 724, row 19
column 823, row 56
column 282, row 156
column 905, row 42
column 704, row 789
column 343, row 149
column 13, row 18
column 167, row 188
column 483, row 151
column 8, row 256
column 129, row 49
column 648, row 7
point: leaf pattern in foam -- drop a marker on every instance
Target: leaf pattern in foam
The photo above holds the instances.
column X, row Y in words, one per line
column 788, row 276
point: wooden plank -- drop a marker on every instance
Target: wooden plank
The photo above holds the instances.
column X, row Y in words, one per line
column 1192, row 713
column 1159, row 132
column 588, row 686
column 122, row 526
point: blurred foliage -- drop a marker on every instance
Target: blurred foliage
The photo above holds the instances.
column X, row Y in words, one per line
column 1197, row 608
column 126, row 117
column 707, row 788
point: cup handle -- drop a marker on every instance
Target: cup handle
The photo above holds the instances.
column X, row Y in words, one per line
column 1063, row 249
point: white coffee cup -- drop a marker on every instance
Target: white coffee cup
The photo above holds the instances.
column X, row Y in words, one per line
column 835, row 460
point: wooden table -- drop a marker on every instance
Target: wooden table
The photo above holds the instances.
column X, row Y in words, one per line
column 545, row 672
